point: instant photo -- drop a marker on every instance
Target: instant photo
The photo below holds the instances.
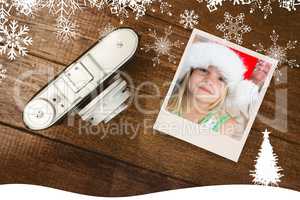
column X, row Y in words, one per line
column 215, row 95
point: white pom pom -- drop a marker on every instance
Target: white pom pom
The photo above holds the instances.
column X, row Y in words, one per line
column 244, row 94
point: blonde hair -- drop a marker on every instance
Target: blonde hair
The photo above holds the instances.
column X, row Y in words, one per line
column 178, row 102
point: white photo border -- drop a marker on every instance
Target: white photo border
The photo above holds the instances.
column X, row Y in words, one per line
column 222, row 145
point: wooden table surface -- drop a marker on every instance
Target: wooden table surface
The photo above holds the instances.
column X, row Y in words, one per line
column 125, row 163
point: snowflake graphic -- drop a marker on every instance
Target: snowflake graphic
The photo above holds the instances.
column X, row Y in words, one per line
column 259, row 5
column 290, row 5
column 26, row 7
column 65, row 29
column 162, row 46
column 3, row 72
column 266, row 9
column 138, row 7
column 278, row 52
column 5, row 9
column 100, row 4
column 189, row 19
column 212, row 5
column 234, row 27
column 120, row 7
column 164, row 7
column 14, row 39
column 108, row 28
column 63, row 10
column 255, row 5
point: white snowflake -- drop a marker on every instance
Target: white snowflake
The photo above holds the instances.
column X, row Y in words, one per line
column 26, row 7
column 14, row 38
column 189, row 19
column 164, row 7
column 120, row 7
column 234, row 27
column 108, row 28
column 5, row 9
column 290, row 5
column 138, row 7
column 212, row 5
column 278, row 52
column 100, row 4
column 63, row 10
column 162, row 46
column 266, row 8
column 267, row 171
column 263, row 6
column 255, row 5
column 65, row 29
column 3, row 72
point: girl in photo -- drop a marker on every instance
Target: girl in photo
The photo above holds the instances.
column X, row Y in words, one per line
column 210, row 88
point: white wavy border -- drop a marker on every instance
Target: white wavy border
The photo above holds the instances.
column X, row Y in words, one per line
column 232, row 192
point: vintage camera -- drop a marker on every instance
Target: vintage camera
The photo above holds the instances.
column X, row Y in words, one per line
column 75, row 84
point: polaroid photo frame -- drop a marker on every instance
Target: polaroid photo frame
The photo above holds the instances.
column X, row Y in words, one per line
column 224, row 127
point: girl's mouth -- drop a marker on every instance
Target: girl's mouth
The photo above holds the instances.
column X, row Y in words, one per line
column 205, row 89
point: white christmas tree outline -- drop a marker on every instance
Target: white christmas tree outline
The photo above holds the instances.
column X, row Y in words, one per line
column 234, row 27
column 15, row 40
column 278, row 52
column 267, row 171
column 162, row 46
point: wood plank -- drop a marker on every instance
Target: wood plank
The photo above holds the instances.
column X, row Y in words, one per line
column 30, row 159
column 150, row 149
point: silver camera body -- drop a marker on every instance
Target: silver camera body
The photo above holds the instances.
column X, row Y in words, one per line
column 81, row 78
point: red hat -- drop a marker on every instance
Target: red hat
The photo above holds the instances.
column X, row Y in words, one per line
column 249, row 61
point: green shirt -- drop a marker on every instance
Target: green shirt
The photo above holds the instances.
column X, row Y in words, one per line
column 212, row 122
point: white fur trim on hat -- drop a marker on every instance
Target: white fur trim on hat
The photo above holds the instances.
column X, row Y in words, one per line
column 205, row 54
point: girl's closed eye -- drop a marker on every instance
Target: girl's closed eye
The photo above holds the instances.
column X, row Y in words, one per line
column 203, row 70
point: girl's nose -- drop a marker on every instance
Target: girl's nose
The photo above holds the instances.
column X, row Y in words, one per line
column 208, row 80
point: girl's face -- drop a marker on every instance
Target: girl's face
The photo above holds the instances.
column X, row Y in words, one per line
column 207, row 85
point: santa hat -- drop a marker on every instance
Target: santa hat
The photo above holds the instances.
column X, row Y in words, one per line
column 228, row 62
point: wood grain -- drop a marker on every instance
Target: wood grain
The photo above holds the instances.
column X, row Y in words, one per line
column 30, row 159
column 139, row 145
